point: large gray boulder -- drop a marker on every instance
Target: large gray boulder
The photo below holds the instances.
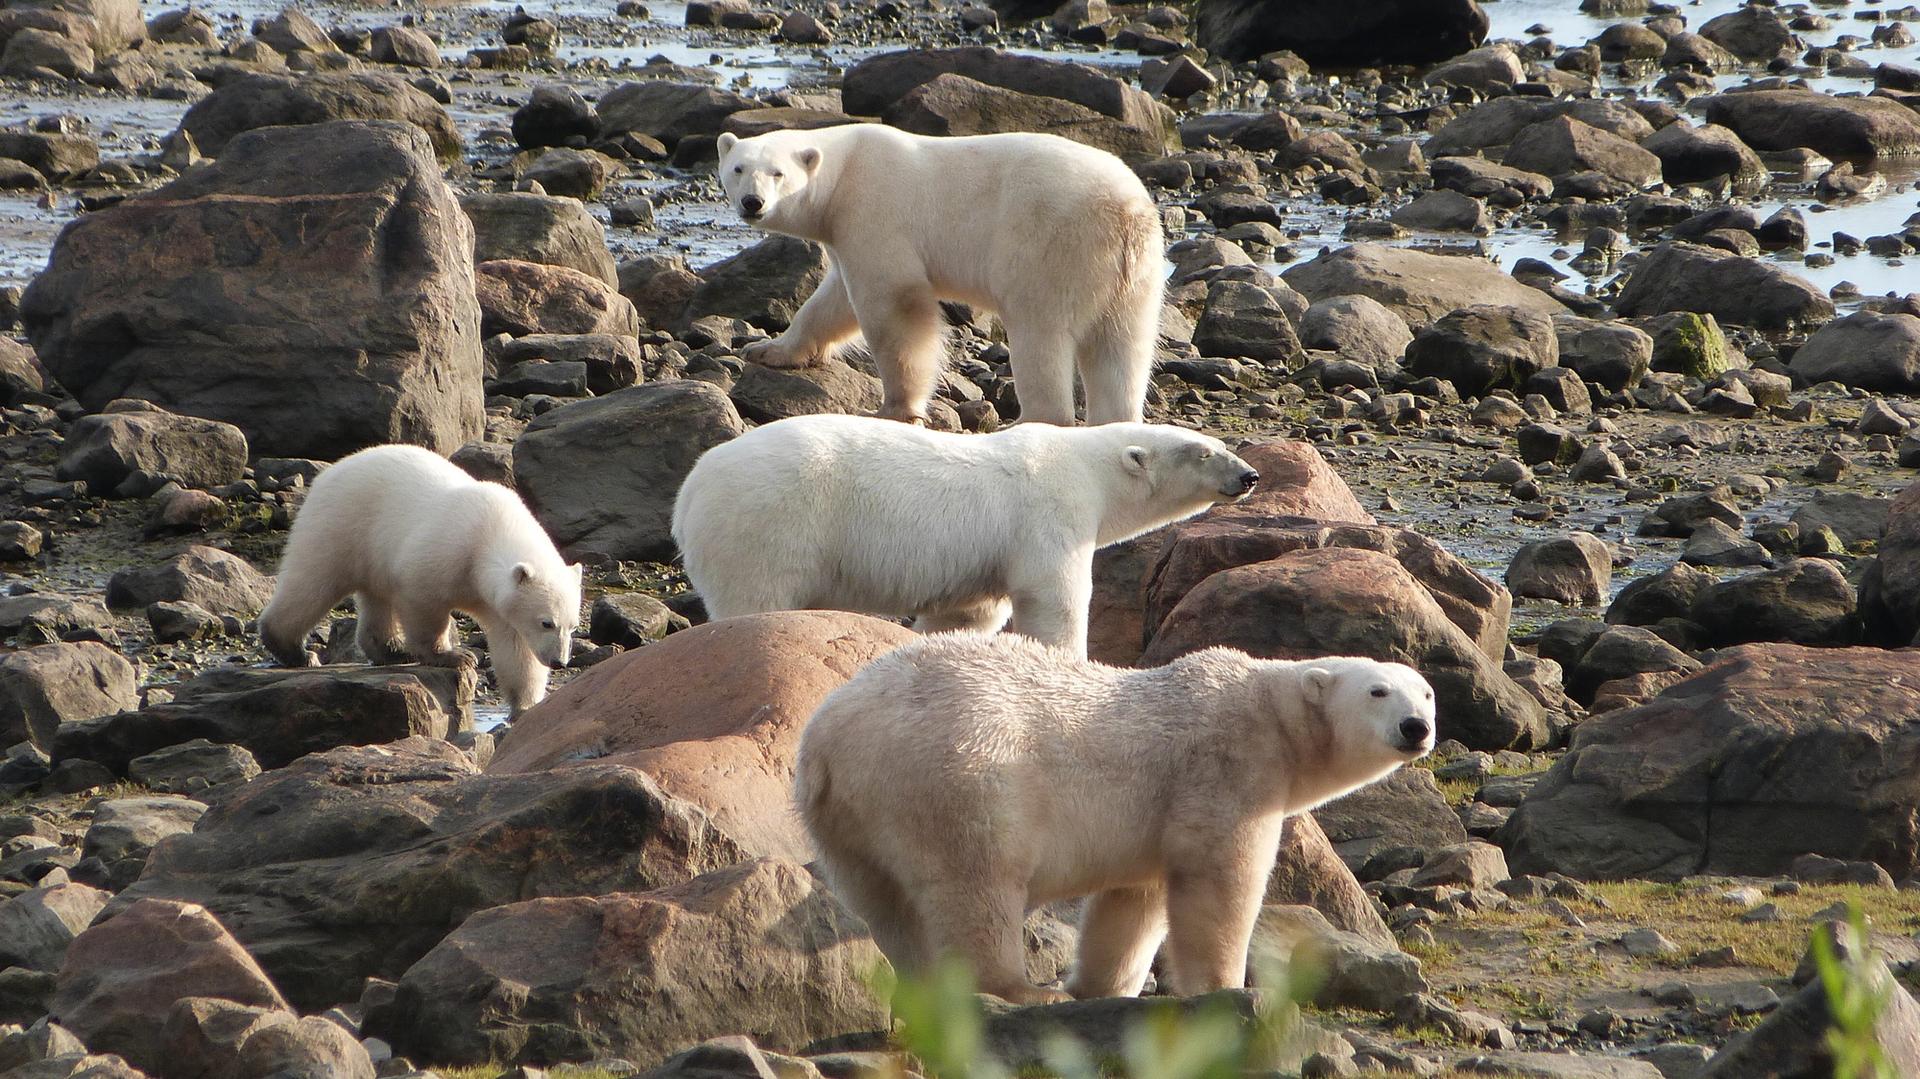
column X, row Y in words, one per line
column 602, row 475
column 43, row 687
column 105, row 449
column 1329, row 32
column 1735, row 289
column 1485, row 347
column 268, row 100
column 1417, row 286
column 539, row 228
column 314, row 287
column 1867, row 350
column 1839, row 127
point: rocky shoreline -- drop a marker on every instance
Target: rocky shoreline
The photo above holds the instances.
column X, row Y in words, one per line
column 1637, row 494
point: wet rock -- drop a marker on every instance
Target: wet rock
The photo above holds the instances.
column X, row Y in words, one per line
column 765, row 284
column 293, row 31
column 1487, row 68
column 279, row 715
column 58, row 157
column 373, row 338
column 1442, row 210
column 31, row 53
column 46, row 686
column 527, row 227
column 357, row 861
column 1564, row 146
column 950, row 104
column 1575, row 569
column 668, row 111
column 1340, row 601
column 1783, row 749
column 405, row 46
column 766, row 394
column 1689, row 344
column 1743, row 291
column 1417, row 286
column 218, row 581
column 105, row 449
column 124, row 831
column 761, row 946
column 122, row 976
column 872, row 86
column 1481, row 178
column 570, row 173
column 554, row 115
column 721, row 736
column 1359, row 328
column 1867, row 349
column 1837, row 127
column 1611, row 355
column 528, row 298
column 192, row 767
column 226, row 1040
column 37, row 925
column 1484, row 347
column 1620, row 652
column 269, row 100
column 1753, row 34
column 1715, row 544
column 601, row 475
column 1246, row 320
column 1341, row 35
column 1667, row 594
column 1807, row 601
column 1706, row 154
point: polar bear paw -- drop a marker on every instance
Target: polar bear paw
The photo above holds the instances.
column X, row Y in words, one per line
column 455, row 657
column 903, row 414
column 1029, row 994
column 777, row 352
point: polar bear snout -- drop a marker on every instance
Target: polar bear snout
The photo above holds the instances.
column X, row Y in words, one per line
column 1243, row 483
column 1416, row 735
column 751, row 206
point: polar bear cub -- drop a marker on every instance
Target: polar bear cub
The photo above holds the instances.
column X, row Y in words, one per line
column 1061, row 240
column 413, row 538
column 959, row 782
column 858, row 514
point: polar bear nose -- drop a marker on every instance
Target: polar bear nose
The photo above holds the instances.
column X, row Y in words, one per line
column 751, row 205
column 1248, row 479
column 1414, row 730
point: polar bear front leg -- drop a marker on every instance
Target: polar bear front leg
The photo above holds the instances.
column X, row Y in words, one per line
column 377, row 632
column 1120, row 930
column 902, row 327
column 986, row 616
column 1050, row 605
column 1215, row 885
column 824, row 321
column 521, row 676
column 429, row 633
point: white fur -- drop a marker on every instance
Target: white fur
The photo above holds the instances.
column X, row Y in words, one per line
column 859, row 514
column 1060, row 239
column 414, row 539
column 959, row 782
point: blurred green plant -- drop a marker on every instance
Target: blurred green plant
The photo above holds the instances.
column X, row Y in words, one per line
column 1855, row 999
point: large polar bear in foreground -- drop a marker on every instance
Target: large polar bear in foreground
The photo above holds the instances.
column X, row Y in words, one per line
column 1060, row 239
column 959, row 782
column 858, row 514
column 413, row 538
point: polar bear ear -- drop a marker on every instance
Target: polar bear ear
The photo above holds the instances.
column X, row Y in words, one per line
column 522, row 573
column 1315, row 682
column 725, row 142
column 809, row 159
column 1134, row 459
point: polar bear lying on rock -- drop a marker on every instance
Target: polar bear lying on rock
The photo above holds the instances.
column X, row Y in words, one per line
column 1061, row 240
column 959, row 782
column 867, row 515
column 414, row 539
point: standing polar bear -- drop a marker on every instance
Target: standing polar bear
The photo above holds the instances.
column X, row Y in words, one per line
column 859, row 514
column 413, row 538
column 959, row 782
column 1060, row 239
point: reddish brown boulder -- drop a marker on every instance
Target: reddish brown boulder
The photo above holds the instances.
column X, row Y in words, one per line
column 121, row 977
column 209, row 1038
column 713, row 714
column 759, row 947
column 1345, row 601
column 522, row 298
column 1200, row 549
column 1775, row 751
column 1309, row 873
column 1295, row 481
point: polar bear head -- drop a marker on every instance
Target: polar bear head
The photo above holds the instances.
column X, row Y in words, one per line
column 1380, row 714
column 763, row 174
column 543, row 606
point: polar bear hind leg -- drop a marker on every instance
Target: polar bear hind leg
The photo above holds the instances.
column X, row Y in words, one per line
column 429, row 631
column 902, row 325
column 377, row 631
column 302, row 596
column 986, row 616
column 1116, row 361
column 1041, row 354
column 1214, row 891
column 1120, row 930
column 983, row 922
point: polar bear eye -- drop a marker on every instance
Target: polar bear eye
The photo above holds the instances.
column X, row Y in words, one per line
column 776, row 174
column 1379, row 691
column 546, row 623
column 738, row 169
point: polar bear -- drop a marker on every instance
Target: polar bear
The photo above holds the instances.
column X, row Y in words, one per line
column 1061, row 240
column 414, row 539
column 959, row 782
column 961, row 531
